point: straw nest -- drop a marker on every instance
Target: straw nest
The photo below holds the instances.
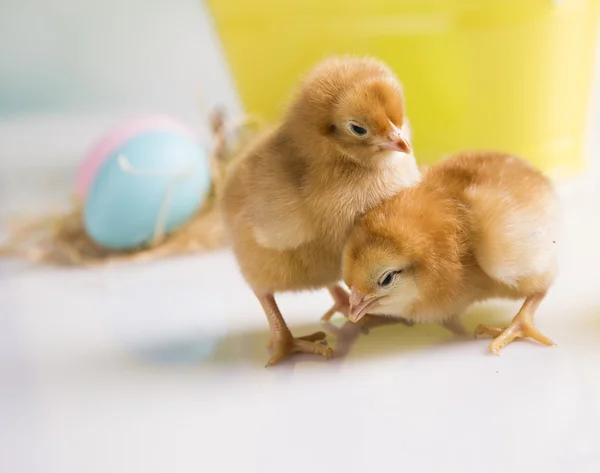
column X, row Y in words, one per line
column 61, row 239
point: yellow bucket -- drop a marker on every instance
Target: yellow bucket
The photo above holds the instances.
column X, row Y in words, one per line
column 512, row 75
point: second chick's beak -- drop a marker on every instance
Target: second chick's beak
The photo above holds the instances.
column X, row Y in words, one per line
column 360, row 304
column 397, row 143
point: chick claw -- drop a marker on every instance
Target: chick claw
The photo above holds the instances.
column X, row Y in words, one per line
column 285, row 347
column 521, row 327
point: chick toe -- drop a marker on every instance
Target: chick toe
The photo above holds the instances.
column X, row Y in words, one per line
column 311, row 344
column 313, row 337
column 521, row 327
column 488, row 330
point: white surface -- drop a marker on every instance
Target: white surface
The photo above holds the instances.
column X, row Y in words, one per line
column 159, row 368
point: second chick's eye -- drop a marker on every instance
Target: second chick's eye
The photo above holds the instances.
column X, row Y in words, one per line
column 388, row 278
column 358, row 130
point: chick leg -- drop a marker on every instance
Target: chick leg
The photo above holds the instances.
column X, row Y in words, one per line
column 455, row 325
column 521, row 327
column 341, row 302
column 284, row 344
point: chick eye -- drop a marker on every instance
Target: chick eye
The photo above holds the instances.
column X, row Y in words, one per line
column 357, row 129
column 388, row 278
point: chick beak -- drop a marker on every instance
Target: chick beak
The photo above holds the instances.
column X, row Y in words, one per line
column 398, row 144
column 403, row 145
column 360, row 304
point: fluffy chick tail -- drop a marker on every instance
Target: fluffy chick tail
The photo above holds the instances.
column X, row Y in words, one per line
column 225, row 151
column 516, row 235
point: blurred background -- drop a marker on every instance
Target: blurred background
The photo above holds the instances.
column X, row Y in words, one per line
column 501, row 74
column 69, row 70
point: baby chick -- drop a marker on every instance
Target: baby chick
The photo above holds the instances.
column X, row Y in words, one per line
column 290, row 201
column 478, row 226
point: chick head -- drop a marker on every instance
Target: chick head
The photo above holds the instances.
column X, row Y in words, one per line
column 408, row 251
column 368, row 118
column 355, row 104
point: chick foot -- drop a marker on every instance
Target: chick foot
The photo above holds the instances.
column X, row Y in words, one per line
column 341, row 302
column 281, row 339
column 522, row 326
column 286, row 346
column 313, row 337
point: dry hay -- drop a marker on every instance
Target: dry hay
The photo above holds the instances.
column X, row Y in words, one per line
column 61, row 239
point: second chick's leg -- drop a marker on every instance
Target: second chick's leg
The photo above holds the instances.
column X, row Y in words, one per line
column 455, row 325
column 283, row 342
column 521, row 327
column 341, row 302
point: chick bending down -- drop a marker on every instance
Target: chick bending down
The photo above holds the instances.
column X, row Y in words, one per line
column 478, row 226
column 289, row 202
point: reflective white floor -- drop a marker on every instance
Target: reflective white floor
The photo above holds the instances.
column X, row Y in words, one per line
column 158, row 367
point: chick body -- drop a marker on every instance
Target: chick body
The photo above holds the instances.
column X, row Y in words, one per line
column 301, row 247
column 292, row 198
column 478, row 226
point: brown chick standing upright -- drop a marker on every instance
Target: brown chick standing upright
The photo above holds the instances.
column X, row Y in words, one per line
column 478, row 226
column 342, row 147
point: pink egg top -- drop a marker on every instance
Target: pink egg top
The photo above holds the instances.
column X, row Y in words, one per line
column 117, row 137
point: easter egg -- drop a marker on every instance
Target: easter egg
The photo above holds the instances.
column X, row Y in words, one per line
column 117, row 137
column 146, row 187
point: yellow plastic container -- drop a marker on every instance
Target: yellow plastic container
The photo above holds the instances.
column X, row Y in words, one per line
column 512, row 75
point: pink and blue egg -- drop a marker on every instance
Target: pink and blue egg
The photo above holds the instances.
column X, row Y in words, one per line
column 141, row 181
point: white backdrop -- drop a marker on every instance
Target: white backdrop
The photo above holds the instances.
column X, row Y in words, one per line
column 71, row 68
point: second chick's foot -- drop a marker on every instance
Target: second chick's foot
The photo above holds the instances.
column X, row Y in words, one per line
column 341, row 302
column 284, row 347
column 522, row 326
